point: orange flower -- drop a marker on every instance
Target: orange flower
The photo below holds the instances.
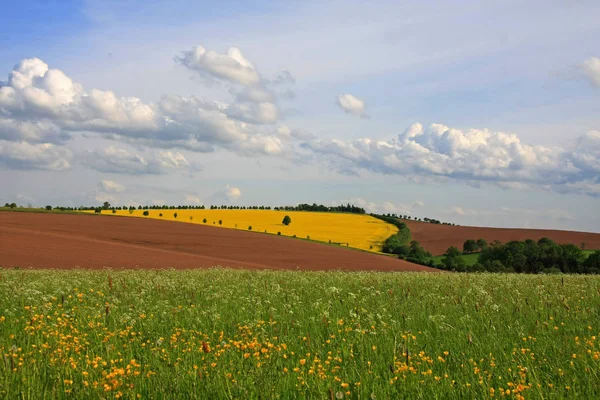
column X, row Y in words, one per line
column 205, row 347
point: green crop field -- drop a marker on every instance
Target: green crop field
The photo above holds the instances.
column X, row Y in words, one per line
column 262, row 334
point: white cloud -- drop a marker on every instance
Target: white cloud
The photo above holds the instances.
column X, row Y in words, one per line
column 591, row 69
column 121, row 161
column 101, row 197
column 352, row 105
column 233, row 193
column 193, row 199
column 472, row 157
column 255, row 102
column 233, row 66
column 110, row 186
column 463, row 212
column 25, row 156
column 31, row 132
column 40, row 105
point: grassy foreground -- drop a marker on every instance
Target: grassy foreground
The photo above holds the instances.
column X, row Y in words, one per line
column 262, row 334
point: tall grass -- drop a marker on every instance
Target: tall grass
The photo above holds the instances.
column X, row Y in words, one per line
column 246, row 334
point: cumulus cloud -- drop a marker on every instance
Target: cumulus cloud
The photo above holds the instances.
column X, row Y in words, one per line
column 463, row 212
column 233, row 66
column 255, row 101
column 193, row 199
column 233, row 193
column 107, row 190
column 31, row 132
column 110, row 186
column 352, row 105
column 43, row 105
column 26, row 156
column 591, row 69
column 120, row 161
column 472, row 156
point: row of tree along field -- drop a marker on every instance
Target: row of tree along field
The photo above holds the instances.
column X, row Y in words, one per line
column 529, row 256
column 347, row 208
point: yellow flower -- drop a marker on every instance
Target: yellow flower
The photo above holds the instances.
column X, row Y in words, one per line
column 302, row 362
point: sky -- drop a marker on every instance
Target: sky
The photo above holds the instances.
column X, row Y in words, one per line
column 472, row 112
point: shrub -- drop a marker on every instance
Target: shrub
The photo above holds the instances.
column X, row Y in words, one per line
column 160, row 215
column 191, row 218
column 220, row 222
column 131, row 210
column 470, row 246
column 308, row 237
column 174, row 215
column 482, row 244
column 286, row 220
column 145, row 213
column 250, row 228
column 48, row 208
column 204, row 220
column 114, row 211
column 279, row 233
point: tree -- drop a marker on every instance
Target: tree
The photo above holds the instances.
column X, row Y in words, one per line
column 114, row 211
column 592, row 264
column 160, row 215
column 453, row 260
column 12, row 205
column 145, row 213
column 174, row 215
column 250, row 228
column 482, row 244
column 106, row 205
column 220, row 222
column 204, row 220
column 286, row 220
column 48, row 208
column 470, row 246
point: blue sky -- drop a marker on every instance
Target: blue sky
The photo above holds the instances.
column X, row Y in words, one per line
column 185, row 101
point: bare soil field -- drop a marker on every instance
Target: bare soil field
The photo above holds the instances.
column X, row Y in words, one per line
column 437, row 238
column 31, row 240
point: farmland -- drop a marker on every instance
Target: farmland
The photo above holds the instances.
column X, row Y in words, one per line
column 437, row 238
column 249, row 334
column 351, row 230
column 92, row 241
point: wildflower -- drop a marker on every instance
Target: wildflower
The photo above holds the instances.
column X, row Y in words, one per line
column 205, row 347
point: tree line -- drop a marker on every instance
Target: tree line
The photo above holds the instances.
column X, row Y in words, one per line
column 528, row 256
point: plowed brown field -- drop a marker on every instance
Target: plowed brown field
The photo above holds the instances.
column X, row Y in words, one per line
column 31, row 240
column 437, row 238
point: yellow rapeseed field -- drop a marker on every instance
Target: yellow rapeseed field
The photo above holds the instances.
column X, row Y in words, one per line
column 352, row 230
